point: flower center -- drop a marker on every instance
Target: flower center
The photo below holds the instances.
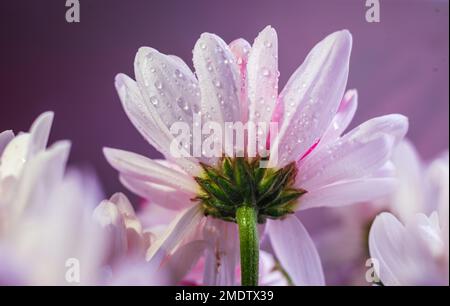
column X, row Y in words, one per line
column 239, row 181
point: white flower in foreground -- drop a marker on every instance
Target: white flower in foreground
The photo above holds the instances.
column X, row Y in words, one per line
column 45, row 214
column 414, row 249
column 21, row 157
column 47, row 233
column 315, row 165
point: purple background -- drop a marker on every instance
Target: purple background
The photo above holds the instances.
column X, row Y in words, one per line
column 397, row 65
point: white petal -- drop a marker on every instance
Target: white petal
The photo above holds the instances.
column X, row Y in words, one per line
column 219, row 79
column 347, row 192
column 311, row 97
column 15, row 155
column 296, row 251
column 241, row 49
column 346, row 159
column 403, row 255
column 40, row 176
column 385, row 232
column 39, row 132
column 5, row 138
column 181, row 227
column 262, row 76
column 169, row 89
column 143, row 168
column 139, row 115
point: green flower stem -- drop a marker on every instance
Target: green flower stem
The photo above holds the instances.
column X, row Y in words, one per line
column 246, row 217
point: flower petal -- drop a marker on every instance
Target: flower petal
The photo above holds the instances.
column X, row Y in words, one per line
column 347, row 159
column 219, row 79
column 394, row 125
column 143, row 168
column 162, row 195
column 39, row 132
column 347, row 192
column 262, row 70
column 311, row 97
column 241, row 48
column 296, row 251
column 133, row 104
column 5, row 138
column 343, row 117
column 182, row 261
column 222, row 254
column 169, row 89
column 179, row 228
column 40, row 176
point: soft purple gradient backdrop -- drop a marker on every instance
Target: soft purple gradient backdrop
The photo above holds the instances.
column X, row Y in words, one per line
column 398, row 65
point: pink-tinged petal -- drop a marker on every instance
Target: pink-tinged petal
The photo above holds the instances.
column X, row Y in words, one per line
column 169, row 89
column 219, row 79
column 296, row 251
column 405, row 253
column 182, row 261
column 311, row 97
column 39, row 132
column 385, row 241
column 343, row 117
column 140, row 167
column 163, row 195
column 155, row 216
column 133, row 104
column 5, row 138
column 394, row 125
column 241, row 48
column 262, row 76
column 182, row 226
column 345, row 159
column 347, row 192
column 171, row 95
column 142, row 119
column 222, row 252
column 137, row 273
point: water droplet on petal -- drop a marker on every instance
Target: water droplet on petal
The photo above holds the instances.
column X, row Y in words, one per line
column 154, row 100
column 266, row 72
column 268, row 44
column 158, row 85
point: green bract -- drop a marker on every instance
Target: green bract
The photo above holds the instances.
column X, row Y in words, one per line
column 239, row 181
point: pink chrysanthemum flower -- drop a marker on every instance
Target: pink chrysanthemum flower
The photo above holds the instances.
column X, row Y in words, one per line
column 315, row 165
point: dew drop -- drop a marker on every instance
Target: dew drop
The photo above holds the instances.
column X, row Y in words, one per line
column 154, row 100
column 158, row 85
column 268, row 44
column 266, row 72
